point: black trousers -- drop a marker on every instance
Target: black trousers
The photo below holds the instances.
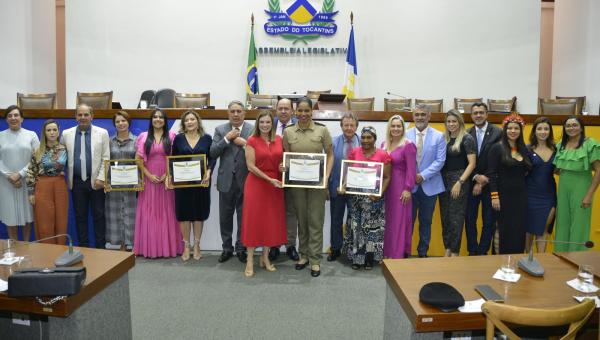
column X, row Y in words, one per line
column 84, row 198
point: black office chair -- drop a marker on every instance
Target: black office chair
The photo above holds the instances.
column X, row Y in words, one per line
column 147, row 96
column 165, row 98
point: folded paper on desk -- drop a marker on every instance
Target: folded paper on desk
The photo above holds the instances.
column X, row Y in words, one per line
column 7, row 261
column 595, row 298
column 3, row 285
column 500, row 275
column 473, row 306
column 584, row 288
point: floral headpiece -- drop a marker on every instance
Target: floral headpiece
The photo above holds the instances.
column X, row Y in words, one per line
column 513, row 118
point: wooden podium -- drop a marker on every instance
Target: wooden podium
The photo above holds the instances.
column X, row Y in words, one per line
column 101, row 309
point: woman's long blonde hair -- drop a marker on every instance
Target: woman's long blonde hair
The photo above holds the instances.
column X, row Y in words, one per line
column 461, row 130
column 42, row 148
column 388, row 135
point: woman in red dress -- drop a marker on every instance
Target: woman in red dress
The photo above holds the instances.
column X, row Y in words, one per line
column 263, row 216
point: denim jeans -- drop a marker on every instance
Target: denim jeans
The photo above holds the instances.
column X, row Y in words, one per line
column 423, row 207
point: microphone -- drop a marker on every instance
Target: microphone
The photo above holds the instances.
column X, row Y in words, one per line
column 396, row 95
column 69, row 257
column 531, row 266
column 405, row 108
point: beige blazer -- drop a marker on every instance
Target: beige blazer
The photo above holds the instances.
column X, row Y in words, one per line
column 100, row 144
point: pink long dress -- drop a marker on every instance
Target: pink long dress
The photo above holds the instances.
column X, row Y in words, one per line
column 397, row 242
column 157, row 232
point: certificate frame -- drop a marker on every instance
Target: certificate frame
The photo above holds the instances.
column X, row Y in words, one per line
column 289, row 157
column 126, row 187
column 350, row 165
column 183, row 158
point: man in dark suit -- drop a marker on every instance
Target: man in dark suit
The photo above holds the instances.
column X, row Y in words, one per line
column 486, row 135
column 228, row 145
column 285, row 117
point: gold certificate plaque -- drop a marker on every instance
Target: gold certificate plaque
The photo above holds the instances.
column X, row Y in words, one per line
column 186, row 171
column 304, row 170
column 123, row 175
column 361, row 178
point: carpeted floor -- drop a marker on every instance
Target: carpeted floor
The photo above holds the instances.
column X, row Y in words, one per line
column 204, row 299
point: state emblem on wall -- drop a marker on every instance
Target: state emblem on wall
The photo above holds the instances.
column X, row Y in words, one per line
column 301, row 21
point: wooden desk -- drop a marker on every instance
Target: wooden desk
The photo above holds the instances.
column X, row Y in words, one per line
column 407, row 318
column 102, row 304
column 583, row 257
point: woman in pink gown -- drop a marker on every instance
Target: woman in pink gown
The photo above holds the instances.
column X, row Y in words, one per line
column 157, row 232
column 398, row 203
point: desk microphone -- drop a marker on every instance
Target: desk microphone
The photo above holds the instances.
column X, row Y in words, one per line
column 406, row 108
column 531, row 266
column 396, row 95
column 69, row 257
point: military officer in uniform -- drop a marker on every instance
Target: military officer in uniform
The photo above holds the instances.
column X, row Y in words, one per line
column 309, row 137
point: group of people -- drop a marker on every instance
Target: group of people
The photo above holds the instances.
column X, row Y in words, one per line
column 485, row 165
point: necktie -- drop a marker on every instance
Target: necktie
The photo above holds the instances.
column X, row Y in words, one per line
column 82, row 157
column 479, row 139
column 282, row 128
column 419, row 147
column 347, row 148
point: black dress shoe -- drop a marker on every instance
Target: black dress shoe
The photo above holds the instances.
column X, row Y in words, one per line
column 292, row 253
column 225, row 255
column 242, row 256
column 300, row 266
column 355, row 266
column 273, row 253
column 333, row 256
column 369, row 261
column 315, row 273
column 423, row 256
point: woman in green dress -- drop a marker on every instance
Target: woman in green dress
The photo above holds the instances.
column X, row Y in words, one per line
column 576, row 158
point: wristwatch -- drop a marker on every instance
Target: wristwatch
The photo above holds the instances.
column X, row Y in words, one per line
column 462, row 181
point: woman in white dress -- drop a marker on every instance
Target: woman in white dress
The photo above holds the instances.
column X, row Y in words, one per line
column 16, row 147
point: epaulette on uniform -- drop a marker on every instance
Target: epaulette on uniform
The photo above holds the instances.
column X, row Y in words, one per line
column 317, row 123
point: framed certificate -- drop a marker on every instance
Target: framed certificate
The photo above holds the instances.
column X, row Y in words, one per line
column 361, row 178
column 186, row 171
column 124, row 174
column 304, row 170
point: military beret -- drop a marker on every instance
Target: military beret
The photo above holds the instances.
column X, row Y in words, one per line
column 442, row 296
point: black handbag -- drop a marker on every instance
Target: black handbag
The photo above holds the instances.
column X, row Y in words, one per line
column 58, row 281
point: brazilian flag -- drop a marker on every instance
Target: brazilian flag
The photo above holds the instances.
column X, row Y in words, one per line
column 251, row 70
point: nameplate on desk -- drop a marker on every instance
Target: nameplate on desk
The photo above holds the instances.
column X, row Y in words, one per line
column 426, row 320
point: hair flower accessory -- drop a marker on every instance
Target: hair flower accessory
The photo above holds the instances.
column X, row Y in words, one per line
column 513, row 118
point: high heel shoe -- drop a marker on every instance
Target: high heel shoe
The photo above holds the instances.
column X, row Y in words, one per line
column 197, row 255
column 186, row 251
column 269, row 267
column 249, row 272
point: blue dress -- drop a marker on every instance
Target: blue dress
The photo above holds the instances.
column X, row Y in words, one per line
column 541, row 194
